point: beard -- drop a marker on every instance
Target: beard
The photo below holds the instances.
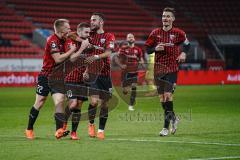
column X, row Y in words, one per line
column 130, row 42
column 95, row 28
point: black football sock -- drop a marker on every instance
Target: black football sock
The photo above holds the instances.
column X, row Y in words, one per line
column 32, row 118
column 170, row 109
column 133, row 96
column 91, row 113
column 76, row 116
column 166, row 120
column 169, row 114
column 103, row 117
column 59, row 118
column 163, row 105
column 67, row 113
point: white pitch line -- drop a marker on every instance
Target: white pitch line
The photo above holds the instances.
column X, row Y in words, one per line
column 150, row 140
column 183, row 142
column 215, row 158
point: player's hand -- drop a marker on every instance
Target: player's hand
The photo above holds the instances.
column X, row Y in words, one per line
column 72, row 47
column 142, row 64
column 159, row 47
column 131, row 56
column 85, row 44
column 181, row 58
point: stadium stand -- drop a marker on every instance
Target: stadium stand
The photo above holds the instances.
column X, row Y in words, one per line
column 123, row 17
column 199, row 19
column 15, row 33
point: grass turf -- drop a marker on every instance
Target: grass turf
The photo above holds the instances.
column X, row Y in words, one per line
column 209, row 127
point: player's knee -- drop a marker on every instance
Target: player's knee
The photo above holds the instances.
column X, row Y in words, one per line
column 161, row 97
column 125, row 90
column 134, row 85
column 168, row 96
column 94, row 102
column 40, row 102
column 60, row 101
column 73, row 104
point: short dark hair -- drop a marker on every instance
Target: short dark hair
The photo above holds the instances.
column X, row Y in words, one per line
column 59, row 23
column 83, row 25
column 169, row 9
column 101, row 15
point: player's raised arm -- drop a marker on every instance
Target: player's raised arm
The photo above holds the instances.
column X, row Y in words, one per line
column 61, row 29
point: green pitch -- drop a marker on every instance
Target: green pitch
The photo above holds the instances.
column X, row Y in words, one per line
column 209, row 128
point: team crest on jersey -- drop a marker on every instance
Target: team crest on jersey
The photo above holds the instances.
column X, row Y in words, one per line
column 111, row 45
column 172, row 36
column 53, row 45
column 102, row 40
column 69, row 93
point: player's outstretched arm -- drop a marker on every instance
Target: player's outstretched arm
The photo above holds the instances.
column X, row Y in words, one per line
column 59, row 57
column 105, row 54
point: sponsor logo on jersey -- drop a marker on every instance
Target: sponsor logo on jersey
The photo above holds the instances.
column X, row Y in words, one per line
column 172, row 36
column 135, row 51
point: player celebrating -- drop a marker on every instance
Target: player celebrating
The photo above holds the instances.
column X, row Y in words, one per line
column 165, row 42
column 103, row 44
column 52, row 55
column 74, row 79
column 132, row 55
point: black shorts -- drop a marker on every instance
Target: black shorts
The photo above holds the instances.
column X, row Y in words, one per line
column 76, row 91
column 42, row 88
column 102, row 87
column 166, row 82
column 129, row 78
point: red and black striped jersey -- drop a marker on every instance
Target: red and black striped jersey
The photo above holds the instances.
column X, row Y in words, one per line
column 165, row 61
column 53, row 45
column 101, row 42
column 132, row 55
column 73, row 70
